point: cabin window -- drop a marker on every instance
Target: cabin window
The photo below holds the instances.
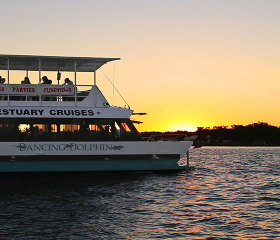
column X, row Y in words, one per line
column 67, row 130
column 93, row 127
column 126, row 128
column 117, row 127
column 8, row 132
column 40, row 127
column 53, row 128
column 69, row 127
column 24, row 127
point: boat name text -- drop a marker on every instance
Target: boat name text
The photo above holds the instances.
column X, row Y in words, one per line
column 49, row 147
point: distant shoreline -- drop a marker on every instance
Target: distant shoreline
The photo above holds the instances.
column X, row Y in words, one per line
column 253, row 135
column 237, row 146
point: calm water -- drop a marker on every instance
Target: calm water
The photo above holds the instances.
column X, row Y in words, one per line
column 233, row 193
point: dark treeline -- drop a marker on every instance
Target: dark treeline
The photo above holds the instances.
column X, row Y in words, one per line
column 256, row 134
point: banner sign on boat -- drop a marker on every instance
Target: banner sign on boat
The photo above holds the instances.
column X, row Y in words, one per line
column 70, row 147
column 62, row 112
column 47, row 112
column 33, row 89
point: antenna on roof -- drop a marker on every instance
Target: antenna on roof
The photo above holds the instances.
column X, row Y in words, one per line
column 115, row 88
column 114, row 85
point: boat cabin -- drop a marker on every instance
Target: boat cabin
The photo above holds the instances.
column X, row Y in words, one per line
column 61, row 111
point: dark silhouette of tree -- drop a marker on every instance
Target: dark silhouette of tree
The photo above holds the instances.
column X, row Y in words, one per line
column 255, row 134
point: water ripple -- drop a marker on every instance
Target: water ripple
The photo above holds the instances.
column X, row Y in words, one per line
column 233, row 193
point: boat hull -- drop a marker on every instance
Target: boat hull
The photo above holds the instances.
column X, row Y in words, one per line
column 91, row 156
column 95, row 165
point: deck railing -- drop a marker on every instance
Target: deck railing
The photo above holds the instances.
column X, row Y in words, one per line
column 44, row 92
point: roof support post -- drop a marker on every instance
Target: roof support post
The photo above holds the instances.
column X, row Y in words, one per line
column 8, row 76
column 8, row 66
column 94, row 75
column 40, row 96
column 94, row 83
column 39, row 70
column 75, row 88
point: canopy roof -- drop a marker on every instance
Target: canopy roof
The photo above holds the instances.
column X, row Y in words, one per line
column 52, row 63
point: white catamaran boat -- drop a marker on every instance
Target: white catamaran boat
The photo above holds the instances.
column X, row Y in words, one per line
column 48, row 127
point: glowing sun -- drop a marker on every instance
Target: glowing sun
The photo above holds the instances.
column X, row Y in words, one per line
column 183, row 127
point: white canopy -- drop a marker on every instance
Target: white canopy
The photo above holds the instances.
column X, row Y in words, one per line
column 52, row 63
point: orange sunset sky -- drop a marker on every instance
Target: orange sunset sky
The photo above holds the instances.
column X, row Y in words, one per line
column 187, row 63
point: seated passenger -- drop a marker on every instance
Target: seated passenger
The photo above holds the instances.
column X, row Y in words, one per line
column 67, row 81
column 2, row 80
column 46, row 80
column 26, row 81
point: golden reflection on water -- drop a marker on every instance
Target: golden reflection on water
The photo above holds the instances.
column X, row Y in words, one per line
column 222, row 201
column 229, row 195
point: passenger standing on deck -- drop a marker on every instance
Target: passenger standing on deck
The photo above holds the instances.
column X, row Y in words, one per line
column 67, row 81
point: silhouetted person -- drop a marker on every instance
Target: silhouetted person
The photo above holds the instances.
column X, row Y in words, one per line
column 46, row 80
column 26, row 81
column 67, row 81
column 2, row 80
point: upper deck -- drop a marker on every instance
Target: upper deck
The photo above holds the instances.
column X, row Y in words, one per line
column 51, row 95
column 45, row 92
column 61, row 95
